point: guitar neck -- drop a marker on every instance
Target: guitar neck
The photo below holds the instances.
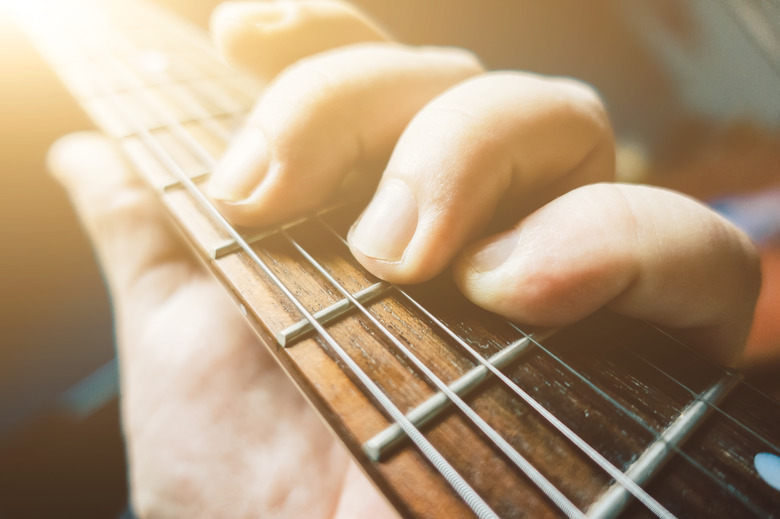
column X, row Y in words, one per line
column 451, row 410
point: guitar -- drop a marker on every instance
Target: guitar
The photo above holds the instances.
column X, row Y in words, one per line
column 450, row 410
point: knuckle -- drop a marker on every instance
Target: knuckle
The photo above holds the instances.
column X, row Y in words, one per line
column 463, row 60
column 585, row 103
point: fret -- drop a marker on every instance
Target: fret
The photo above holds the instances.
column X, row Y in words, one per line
column 198, row 226
column 184, row 106
column 377, row 447
column 230, row 246
column 546, row 435
column 615, row 499
column 292, row 333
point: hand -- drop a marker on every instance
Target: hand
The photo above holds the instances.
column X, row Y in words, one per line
column 219, row 431
column 462, row 147
column 212, row 425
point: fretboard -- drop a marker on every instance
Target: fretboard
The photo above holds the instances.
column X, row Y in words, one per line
column 452, row 411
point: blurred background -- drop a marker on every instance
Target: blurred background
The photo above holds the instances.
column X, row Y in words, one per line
column 682, row 82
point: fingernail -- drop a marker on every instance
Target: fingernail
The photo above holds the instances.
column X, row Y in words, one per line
column 388, row 224
column 496, row 252
column 242, row 167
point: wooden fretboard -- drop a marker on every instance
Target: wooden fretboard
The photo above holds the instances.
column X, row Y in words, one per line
column 452, row 411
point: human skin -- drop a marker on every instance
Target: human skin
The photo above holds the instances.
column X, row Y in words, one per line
column 213, row 429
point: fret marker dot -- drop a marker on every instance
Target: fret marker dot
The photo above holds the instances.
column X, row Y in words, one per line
column 768, row 467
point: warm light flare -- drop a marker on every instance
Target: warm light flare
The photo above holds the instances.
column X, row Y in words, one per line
column 39, row 14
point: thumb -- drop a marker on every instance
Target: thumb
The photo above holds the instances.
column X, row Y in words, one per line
column 141, row 257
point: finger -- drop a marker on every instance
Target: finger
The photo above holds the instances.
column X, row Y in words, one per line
column 266, row 37
column 645, row 252
column 501, row 136
column 324, row 117
column 124, row 221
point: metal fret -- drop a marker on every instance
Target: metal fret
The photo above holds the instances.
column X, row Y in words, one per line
column 286, row 337
column 378, row 446
column 230, row 246
column 772, row 445
column 616, row 498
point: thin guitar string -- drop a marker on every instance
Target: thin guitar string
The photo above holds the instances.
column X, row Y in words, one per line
column 769, row 443
column 456, row 481
column 702, row 357
column 512, row 385
column 211, row 159
column 223, row 135
column 715, row 365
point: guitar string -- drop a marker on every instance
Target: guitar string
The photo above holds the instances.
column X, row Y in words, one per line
column 766, row 441
column 744, row 383
column 456, row 481
column 775, row 403
column 491, row 366
column 513, row 386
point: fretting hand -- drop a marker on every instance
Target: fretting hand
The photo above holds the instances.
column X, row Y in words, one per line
column 213, row 428
column 462, row 145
